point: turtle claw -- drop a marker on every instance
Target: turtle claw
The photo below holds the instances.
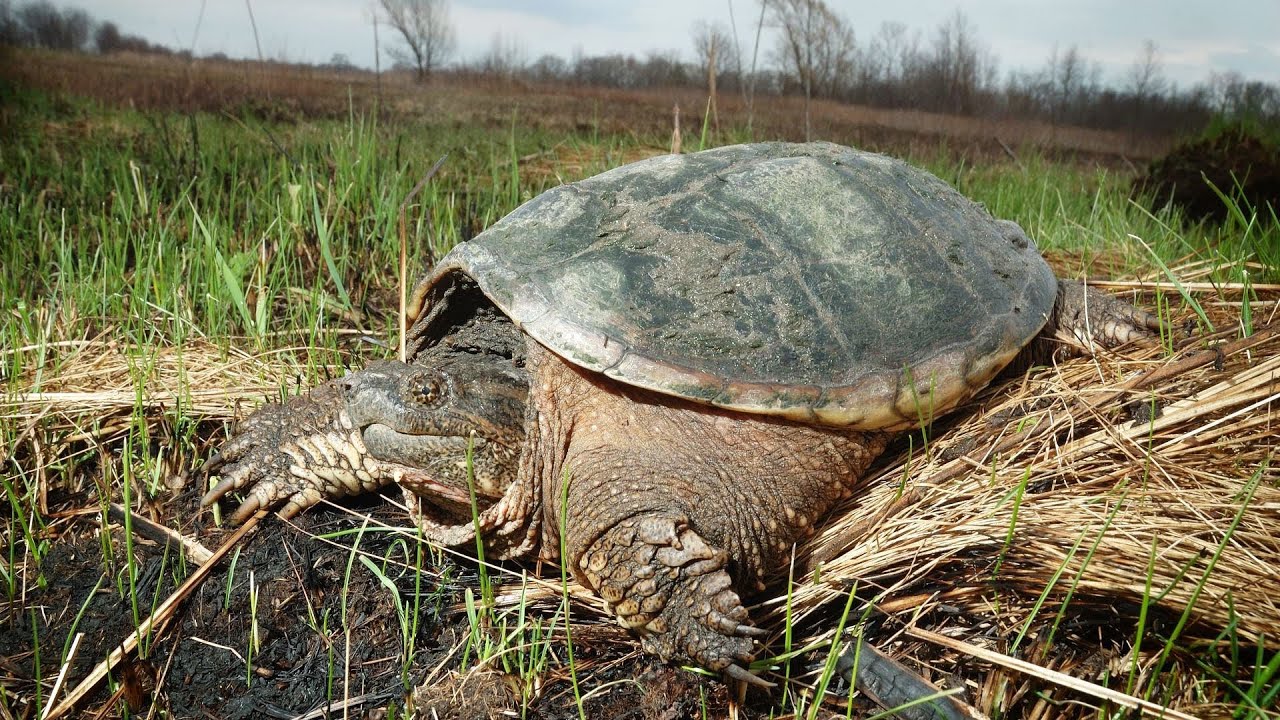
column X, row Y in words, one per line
column 738, row 673
column 236, row 475
column 215, row 461
column 266, row 480
column 217, row 492
column 665, row 582
column 246, row 509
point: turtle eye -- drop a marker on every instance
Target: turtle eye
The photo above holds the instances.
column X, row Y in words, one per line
column 427, row 392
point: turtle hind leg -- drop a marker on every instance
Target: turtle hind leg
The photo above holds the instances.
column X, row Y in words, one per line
column 1089, row 317
column 666, row 583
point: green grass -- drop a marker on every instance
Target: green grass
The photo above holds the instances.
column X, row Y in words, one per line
column 1086, row 212
column 156, row 230
column 154, row 226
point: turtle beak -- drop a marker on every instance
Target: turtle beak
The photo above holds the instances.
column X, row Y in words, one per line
column 436, row 467
column 419, row 451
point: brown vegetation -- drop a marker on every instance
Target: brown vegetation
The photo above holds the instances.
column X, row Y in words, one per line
column 802, row 48
column 1155, row 483
column 280, row 91
column 1078, row 485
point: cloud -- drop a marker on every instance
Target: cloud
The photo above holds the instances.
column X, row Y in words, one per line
column 1253, row 61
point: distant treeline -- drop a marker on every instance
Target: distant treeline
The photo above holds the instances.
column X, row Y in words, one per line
column 950, row 71
column 41, row 24
column 804, row 48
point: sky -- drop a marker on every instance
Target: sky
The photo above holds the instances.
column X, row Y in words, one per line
column 1194, row 37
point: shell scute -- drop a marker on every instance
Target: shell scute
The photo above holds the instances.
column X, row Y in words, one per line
column 812, row 281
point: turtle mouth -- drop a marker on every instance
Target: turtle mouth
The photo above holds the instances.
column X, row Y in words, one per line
column 449, row 499
column 421, row 451
column 445, row 470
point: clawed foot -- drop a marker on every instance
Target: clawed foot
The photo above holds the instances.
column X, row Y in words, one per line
column 293, row 455
column 666, row 583
column 1089, row 316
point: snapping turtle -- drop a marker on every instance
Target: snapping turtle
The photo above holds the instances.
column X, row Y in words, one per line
column 681, row 364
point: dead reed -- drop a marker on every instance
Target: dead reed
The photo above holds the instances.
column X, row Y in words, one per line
column 1101, row 507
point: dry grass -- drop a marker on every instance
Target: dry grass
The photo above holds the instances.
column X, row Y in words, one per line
column 1049, row 507
column 1041, row 523
column 90, row 389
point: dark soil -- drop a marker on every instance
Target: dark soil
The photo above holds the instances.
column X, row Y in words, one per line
column 196, row 667
column 1238, row 163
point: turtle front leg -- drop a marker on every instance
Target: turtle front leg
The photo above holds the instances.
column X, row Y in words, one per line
column 1089, row 316
column 295, row 454
column 671, row 587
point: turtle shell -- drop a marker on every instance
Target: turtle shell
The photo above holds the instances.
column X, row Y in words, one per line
column 809, row 281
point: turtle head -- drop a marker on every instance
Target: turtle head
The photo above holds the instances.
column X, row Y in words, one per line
column 450, row 425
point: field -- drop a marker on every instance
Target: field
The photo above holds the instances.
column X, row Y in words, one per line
column 183, row 242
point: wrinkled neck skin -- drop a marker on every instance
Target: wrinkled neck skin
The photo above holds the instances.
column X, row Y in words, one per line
column 599, row 453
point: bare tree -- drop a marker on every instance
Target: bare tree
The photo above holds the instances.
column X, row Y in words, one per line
column 960, row 69
column 107, row 38
column 1070, row 82
column 51, row 28
column 11, row 30
column 1231, row 95
column 1068, row 74
column 425, row 29
column 794, row 20
column 815, row 47
column 1146, row 77
column 506, row 57
column 716, row 53
column 900, row 48
column 889, row 65
column 662, row 69
column 714, row 39
column 549, row 68
column 616, row 70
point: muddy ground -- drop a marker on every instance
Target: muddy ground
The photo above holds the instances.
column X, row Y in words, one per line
column 293, row 581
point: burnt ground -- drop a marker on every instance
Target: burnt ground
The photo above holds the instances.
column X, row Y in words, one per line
column 196, row 667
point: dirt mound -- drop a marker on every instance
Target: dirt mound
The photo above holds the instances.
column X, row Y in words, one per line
column 1236, row 161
